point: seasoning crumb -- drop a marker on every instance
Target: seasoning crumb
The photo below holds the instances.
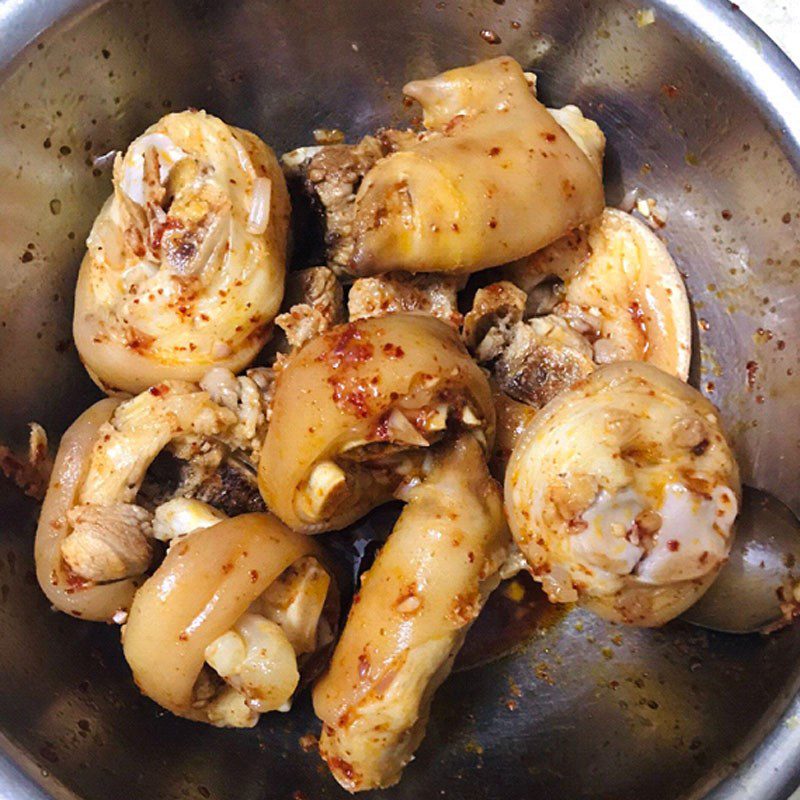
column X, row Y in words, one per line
column 543, row 674
column 653, row 215
column 645, row 17
column 490, row 37
column 308, row 742
column 752, row 369
column 328, row 136
column 762, row 335
column 514, row 591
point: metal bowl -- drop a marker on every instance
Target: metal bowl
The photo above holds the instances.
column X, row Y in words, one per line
column 702, row 113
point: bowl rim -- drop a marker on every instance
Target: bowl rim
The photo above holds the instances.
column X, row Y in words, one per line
column 738, row 47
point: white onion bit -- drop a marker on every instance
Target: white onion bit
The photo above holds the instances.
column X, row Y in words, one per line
column 245, row 162
column 105, row 160
column 169, row 154
column 629, row 201
column 258, row 218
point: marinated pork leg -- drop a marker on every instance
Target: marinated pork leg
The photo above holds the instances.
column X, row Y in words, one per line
column 185, row 263
column 208, row 636
column 95, row 531
column 622, row 493
column 356, row 410
column 621, row 290
column 109, row 533
column 409, row 619
column 63, row 588
column 496, row 179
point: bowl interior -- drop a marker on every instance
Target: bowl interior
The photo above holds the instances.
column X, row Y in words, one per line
column 585, row 709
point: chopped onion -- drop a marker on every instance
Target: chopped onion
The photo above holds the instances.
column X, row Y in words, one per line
column 245, row 162
column 296, row 158
column 104, row 160
column 169, row 154
column 653, row 215
column 629, row 201
column 645, row 17
column 328, row 136
column 400, row 429
column 258, row 219
column 137, row 273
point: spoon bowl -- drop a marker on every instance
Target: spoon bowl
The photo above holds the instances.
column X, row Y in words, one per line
column 755, row 589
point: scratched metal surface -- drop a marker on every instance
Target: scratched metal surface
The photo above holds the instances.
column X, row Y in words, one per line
column 585, row 709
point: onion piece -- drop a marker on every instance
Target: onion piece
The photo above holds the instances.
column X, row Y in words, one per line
column 105, row 160
column 245, row 162
column 258, row 218
column 296, row 158
column 401, row 430
column 169, row 154
column 629, row 201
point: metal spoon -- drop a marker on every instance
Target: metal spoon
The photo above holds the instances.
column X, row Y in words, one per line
column 763, row 569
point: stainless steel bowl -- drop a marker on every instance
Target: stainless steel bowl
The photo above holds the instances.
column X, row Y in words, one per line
column 702, row 113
